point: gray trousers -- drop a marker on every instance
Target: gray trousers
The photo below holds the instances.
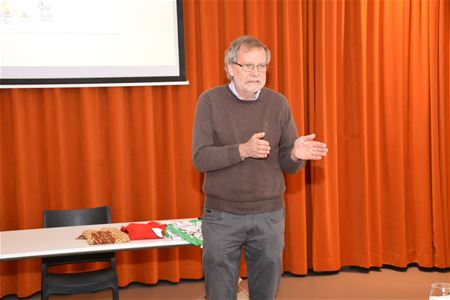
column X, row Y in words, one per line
column 224, row 235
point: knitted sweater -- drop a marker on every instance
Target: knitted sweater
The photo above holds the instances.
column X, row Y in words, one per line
column 222, row 122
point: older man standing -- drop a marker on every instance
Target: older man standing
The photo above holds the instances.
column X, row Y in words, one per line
column 244, row 138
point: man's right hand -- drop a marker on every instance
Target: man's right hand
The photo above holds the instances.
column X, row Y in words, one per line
column 255, row 147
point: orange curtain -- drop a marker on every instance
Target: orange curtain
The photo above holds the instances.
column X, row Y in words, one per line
column 370, row 78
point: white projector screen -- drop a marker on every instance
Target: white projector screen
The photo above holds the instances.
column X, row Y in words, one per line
column 91, row 42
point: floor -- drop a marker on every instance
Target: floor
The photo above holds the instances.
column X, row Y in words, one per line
column 350, row 283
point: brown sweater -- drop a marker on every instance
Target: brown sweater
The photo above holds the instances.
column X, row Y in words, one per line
column 222, row 122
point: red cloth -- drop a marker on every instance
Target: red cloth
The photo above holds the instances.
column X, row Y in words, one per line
column 151, row 230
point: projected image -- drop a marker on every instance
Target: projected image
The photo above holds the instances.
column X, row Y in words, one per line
column 24, row 14
column 67, row 16
column 90, row 39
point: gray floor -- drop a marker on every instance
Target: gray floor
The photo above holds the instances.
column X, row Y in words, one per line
column 350, row 283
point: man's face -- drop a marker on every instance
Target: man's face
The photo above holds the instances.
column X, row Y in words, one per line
column 248, row 83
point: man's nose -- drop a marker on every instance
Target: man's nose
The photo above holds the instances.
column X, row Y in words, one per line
column 254, row 72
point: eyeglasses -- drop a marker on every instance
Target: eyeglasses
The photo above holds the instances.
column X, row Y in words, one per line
column 250, row 67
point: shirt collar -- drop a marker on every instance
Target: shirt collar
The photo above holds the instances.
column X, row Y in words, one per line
column 235, row 92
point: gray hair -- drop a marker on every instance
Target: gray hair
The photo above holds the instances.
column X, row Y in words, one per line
column 247, row 41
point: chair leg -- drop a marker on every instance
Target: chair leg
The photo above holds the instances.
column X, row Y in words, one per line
column 42, row 290
column 44, row 296
column 115, row 293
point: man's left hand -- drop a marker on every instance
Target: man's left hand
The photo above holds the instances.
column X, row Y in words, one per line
column 305, row 148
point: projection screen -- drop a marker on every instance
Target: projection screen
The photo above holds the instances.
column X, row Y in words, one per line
column 72, row 43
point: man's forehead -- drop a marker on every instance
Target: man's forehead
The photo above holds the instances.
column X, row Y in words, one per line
column 251, row 50
column 246, row 49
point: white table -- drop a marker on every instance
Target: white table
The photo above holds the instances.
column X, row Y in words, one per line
column 42, row 242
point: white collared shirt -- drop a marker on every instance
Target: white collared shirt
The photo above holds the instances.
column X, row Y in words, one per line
column 235, row 92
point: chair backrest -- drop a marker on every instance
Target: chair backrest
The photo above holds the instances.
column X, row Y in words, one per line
column 74, row 217
column 103, row 276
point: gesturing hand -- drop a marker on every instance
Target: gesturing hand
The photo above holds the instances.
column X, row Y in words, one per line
column 255, row 147
column 306, row 148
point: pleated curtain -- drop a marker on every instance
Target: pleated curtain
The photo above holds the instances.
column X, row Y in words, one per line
column 369, row 78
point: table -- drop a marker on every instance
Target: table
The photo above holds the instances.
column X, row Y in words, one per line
column 55, row 241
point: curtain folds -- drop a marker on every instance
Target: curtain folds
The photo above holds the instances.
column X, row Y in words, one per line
column 370, row 78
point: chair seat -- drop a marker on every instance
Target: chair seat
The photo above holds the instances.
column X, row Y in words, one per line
column 85, row 281
column 76, row 279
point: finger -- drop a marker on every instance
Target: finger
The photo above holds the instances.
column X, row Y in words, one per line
column 322, row 154
column 316, row 157
column 307, row 138
column 262, row 153
column 263, row 148
column 259, row 135
column 319, row 144
column 262, row 143
column 320, row 150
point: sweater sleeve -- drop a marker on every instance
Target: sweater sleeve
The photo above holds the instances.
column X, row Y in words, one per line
column 288, row 137
column 206, row 156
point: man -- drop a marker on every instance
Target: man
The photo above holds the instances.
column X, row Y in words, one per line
column 244, row 138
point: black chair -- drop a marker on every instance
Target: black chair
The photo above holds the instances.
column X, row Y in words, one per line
column 81, row 282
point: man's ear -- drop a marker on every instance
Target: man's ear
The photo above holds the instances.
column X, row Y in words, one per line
column 230, row 70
